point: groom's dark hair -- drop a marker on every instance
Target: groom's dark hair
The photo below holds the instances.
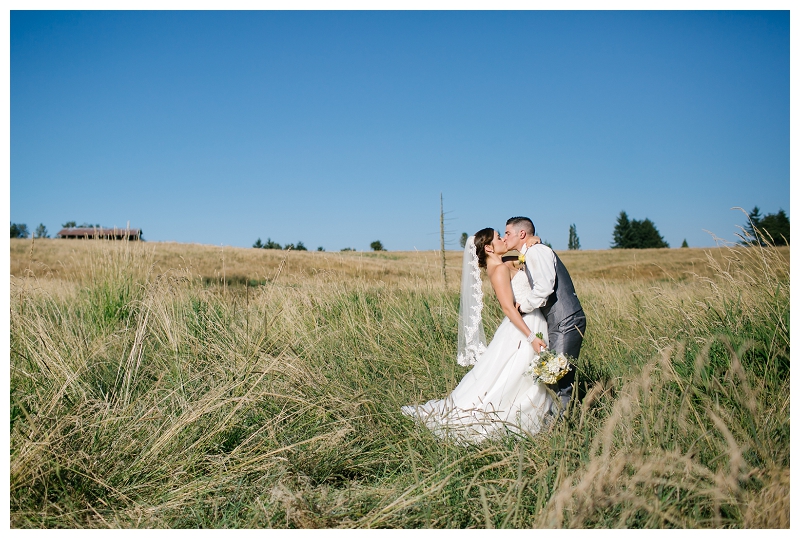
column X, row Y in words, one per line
column 524, row 223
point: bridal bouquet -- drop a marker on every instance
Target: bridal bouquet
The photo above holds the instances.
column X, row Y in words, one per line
column 549, row 367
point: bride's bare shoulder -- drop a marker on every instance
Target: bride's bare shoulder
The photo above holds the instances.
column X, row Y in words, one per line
column 498, row 270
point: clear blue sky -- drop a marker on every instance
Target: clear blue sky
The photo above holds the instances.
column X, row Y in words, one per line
column 340, row 128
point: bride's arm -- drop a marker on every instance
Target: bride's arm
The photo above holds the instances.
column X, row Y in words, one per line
column 500, row 278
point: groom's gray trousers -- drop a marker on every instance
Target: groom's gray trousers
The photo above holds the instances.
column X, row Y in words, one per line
column 567, row 337
column 566, row 325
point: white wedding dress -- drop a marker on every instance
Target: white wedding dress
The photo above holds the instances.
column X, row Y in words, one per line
column 496, row 396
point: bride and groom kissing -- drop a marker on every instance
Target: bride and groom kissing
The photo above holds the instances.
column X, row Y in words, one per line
column 541, row 311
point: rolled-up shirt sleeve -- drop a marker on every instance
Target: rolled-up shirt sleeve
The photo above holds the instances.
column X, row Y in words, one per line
column 541, row 262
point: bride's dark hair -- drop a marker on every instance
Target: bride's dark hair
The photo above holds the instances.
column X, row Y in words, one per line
column 483, row 238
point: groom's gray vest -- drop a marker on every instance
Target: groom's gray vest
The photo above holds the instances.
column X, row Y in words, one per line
column 563, row 301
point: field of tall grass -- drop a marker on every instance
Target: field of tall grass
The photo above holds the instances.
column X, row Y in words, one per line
column 157, row 385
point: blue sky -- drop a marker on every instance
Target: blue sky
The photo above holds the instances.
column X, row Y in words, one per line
column 340, row 128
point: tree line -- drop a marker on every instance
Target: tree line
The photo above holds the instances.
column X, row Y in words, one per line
column 770, row 229
column 275, row 245
column 375, row 246
column 20, row 230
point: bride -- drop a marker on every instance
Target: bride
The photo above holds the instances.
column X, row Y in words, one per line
column 497, row 395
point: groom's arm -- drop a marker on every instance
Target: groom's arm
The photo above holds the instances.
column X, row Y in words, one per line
column 541, row 262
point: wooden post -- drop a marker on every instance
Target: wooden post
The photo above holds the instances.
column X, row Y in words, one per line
column 441, row 233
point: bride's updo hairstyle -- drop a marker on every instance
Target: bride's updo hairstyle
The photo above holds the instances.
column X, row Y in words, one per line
column 483, row 238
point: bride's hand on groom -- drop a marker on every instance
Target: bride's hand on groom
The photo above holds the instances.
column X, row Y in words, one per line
column 537, row 343
column 533, row 240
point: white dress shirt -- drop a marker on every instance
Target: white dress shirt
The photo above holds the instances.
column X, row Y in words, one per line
column 541, row 262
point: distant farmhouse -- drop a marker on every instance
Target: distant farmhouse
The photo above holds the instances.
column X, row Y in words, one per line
column 81, row 233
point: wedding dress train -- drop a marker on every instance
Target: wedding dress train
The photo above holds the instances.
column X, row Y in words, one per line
column 496, row 396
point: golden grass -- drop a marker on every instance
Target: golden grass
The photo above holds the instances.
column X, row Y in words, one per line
column 64, row 259
column 151, row 388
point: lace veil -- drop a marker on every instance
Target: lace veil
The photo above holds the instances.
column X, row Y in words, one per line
column 471, row 338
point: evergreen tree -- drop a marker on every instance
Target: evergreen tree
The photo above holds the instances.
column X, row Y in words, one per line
column 775, row 228
column 772, row 228
column 684, row 244
column 271, row 244
column 622, row 233
column 376, row 246
column 646, row 236
column 69, row 224
column 634, row 234
column 320, row 248
column 300, row 246
column 41, row 231
column 573, row 244
column 19, row 230
column 258, row 244
column 464, row 238
column 753, row 222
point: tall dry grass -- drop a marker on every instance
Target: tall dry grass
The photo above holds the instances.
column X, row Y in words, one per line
column 149, row 388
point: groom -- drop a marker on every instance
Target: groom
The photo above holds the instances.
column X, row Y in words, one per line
column 553, row 293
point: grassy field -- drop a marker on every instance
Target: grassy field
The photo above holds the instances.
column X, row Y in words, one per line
column 171, row 385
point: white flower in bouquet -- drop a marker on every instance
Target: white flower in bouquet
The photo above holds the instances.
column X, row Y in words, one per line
column 553, row 366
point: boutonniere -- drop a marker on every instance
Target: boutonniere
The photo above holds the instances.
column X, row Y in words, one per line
column 521, row 259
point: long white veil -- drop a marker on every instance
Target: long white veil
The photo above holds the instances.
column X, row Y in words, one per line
column 471, row 338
